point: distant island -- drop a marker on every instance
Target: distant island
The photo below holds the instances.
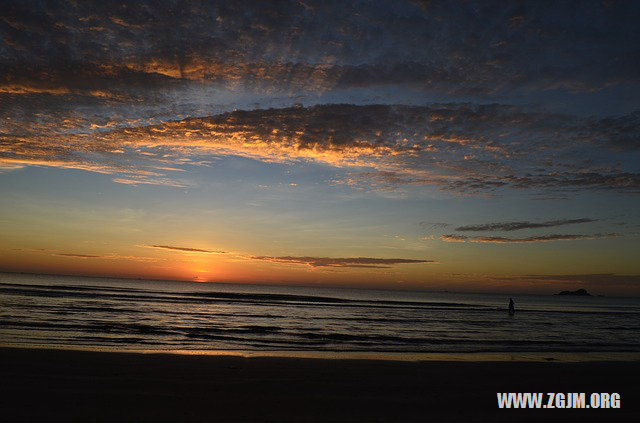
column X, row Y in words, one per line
column 579, row 292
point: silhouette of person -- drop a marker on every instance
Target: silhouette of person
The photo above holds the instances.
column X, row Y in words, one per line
column 512, row 309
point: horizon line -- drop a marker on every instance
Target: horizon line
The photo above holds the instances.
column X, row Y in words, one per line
column 302, row 285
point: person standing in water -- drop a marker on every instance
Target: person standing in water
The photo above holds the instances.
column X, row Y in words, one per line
column 512, row 309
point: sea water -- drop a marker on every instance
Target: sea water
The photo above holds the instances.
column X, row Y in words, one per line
column 124, row 314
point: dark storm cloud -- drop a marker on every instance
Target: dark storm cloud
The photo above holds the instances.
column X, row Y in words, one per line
column 462, row 147
column 514, row 226
column 361, row 262
column 468, row 47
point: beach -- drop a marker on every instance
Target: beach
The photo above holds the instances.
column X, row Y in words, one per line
column 58, row 384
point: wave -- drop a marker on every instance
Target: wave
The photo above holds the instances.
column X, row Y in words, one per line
column 105, row 315
column 140, row 296
column 70, row 291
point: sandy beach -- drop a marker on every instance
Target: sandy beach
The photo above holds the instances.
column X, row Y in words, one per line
column 41, row 384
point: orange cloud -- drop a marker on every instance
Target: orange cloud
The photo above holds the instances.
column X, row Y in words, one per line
column 366, row 262
column 185, row 249
column 374, row 143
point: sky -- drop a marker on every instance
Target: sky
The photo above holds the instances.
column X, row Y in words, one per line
column 434, row 145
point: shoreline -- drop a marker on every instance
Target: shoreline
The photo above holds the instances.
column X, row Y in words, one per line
column 56, row 385
column 517, row 356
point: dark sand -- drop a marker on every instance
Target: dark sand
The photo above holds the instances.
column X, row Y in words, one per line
column 57, row 385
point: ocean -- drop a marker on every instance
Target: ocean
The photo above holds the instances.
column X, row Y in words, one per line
column 123, row 314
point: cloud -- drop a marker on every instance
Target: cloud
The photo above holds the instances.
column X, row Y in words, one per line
column 465, row 148
column 363, row 262
column 537, row 238
column 185, row 249
column 67, row 66
column 514, row 226
column 454, row 238
column 622, row 181
column 109, row 256
column 467, row 48
column 618, row 132
column 150, row 181
column 82, row 256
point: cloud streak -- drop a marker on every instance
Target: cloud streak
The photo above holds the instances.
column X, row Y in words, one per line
column 185, row 249
column 110, row 256
column 82, row 256
column 537, row 238
column 358, row 262
column 515, row 226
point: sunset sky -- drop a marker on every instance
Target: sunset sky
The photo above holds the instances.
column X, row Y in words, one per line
column 437, row 145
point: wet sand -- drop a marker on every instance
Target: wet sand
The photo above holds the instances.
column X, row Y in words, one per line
column 56, row 385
